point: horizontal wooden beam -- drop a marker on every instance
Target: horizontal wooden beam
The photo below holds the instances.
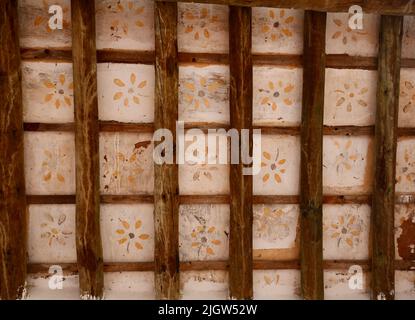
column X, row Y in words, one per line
column 71, row 268
column 400, row 198
column 336, row 61
column 390, row 7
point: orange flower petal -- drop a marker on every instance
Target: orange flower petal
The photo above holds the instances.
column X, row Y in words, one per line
column 123, row 240
column 48, row 97
column 119, row 83
column 277, row 178
column 117, row 96
column 133, row 77
column 125, row 224
column 142, row 84
column 48, row 84
column 120, row 231
column 138, row 224
column 144, row 236
column 62, row 78
column 138, row 246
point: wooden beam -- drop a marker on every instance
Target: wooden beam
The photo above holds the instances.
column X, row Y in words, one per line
column 240, row 241
column 166, row 181
column 383, row 243
column 311, row 185
column 88, row 235
column 391, row 7
column 13, row 225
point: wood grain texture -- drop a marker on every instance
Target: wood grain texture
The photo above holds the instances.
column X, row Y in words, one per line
column 88, row 235
column 383, row 245
column 311, row 183
column 391, row 7
column 13, row 224
column 241, row 215
column 166, row 181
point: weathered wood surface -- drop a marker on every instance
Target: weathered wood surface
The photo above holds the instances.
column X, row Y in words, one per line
column 13, row 224
column 391, row 7
column 383, row 247
column 88, row 235
column 166, row 181
column 241, row 214
column 311, row 185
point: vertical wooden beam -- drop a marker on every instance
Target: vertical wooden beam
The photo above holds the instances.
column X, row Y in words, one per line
column 383, row 248
column 166, row 181
column 88, row 235
column 13, row 233
column 311, row 186
column 240, row 242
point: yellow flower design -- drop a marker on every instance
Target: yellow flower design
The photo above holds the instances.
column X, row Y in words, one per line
column 198, row 24
column 276, row 167
column 408, row 95
column 204, row 239
column 407, row 170
column 344, row 33
column 129, row 233
column 130, row 165
column 272, row 224
column 54, row 229
column 269, row 280
column 61, row 92
column 130, row 92
column 43, row 21
column 277, row 91
column 351, row 95
column 278, row 26
column 131, row 8
column 345, row 158
column 347, row 229
column 50, row 168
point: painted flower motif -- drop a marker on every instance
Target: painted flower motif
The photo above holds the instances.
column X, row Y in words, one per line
column 272, row 224
column 130, row 91
column 199, row 90
column 346, row 230
column 123, row 27
column 270, row 280
column 351, row 96
column 345, row 158
column 277, row 91
column 204, row 239
column 61, row 92
column 204, row 171
column 407, row 170
column 43, row 21
column 130, row 234
column 278, row 26
column 276, row 167
column 129, row 164
column 54, row 230
column 197, row 24
column 408, row 95
column 344, row 33
column 50, row 168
